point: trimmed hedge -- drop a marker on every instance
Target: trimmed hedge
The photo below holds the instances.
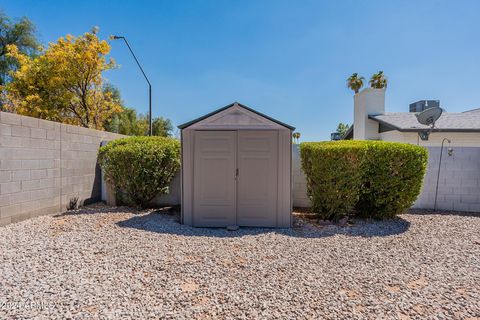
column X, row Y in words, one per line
column 140, row 168
column 373, row 178
column 333, row 176
column 392, row 178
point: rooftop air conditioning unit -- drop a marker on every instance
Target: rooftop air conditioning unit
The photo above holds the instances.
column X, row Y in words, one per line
column 422, row 105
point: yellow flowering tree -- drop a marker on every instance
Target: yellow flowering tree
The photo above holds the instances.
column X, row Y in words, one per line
column 64, row 83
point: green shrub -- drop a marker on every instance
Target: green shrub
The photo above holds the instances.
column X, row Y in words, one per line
column 379, row 179
column 392, row 178
column 140, row 167
column 333, row 176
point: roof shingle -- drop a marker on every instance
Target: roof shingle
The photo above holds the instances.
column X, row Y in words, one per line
column 406, row 121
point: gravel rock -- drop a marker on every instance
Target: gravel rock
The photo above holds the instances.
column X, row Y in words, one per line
column 112, row 263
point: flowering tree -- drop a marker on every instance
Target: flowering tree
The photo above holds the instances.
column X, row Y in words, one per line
column 20, row 32
column 64, row 83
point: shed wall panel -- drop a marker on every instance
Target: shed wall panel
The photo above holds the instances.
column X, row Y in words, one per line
column 214, row 200
column 257, row 193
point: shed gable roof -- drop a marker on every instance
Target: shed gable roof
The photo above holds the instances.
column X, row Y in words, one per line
column 234, row 114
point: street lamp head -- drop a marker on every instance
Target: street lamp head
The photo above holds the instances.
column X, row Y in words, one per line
column 113, row 37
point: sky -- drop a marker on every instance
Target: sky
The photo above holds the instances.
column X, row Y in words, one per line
column 287, row 59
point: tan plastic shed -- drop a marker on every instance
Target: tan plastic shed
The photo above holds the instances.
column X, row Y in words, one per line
column 236, row 169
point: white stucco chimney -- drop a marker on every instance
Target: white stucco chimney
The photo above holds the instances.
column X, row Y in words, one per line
column 367, row 102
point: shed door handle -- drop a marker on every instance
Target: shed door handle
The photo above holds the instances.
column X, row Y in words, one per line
column 236, row 174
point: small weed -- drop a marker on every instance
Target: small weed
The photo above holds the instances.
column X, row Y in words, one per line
column 72, row 204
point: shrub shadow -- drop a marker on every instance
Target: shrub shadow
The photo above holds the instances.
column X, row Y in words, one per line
column 98, row 207
column 170, row 224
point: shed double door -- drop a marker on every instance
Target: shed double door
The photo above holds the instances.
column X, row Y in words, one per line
column 235, row 178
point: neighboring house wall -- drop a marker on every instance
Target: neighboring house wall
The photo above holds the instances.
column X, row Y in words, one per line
column 43, row 164
column 397, row 136
column 459, row 139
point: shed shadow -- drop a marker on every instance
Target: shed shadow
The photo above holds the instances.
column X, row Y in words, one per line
column 169, row 223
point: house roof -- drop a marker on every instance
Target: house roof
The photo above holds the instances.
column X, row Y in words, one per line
column 477, row 110
column 349, row 134
column 468, row 121
column 188, row 124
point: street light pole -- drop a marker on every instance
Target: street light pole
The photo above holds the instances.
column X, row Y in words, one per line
column 150, row 132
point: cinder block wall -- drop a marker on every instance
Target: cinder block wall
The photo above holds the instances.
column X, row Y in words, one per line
column 174, row 197
column 43, row 164
column 459, row 182
column 299, row 183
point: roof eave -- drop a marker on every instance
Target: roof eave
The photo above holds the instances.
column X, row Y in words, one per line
column 188, row 124
column 387, row 124
column 393, row 127
column 349, row 134
column 441, row 129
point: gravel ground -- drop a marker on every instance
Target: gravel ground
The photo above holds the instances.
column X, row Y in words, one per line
column 115, row 263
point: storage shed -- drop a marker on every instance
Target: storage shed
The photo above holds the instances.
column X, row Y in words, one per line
column 236, row 169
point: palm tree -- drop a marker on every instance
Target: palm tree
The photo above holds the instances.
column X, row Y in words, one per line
column 296, row 137
column 378, row 80
column 355, row 82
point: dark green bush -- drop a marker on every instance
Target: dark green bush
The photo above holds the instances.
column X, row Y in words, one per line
column 379, row 179
column 392, row 178
column 333, row 176
column 140, row 167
